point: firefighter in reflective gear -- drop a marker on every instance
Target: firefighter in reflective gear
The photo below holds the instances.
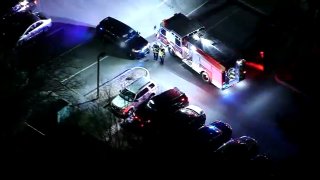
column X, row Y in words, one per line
column 155, row 49
column 162, row 54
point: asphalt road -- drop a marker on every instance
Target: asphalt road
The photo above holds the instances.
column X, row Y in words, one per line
column 142, row 15
column 257, row 107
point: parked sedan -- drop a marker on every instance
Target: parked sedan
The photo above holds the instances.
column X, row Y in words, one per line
column 189, row 119
column 168, row 101
column 124, row 36
column 24, row 26
column 211, row 137
column 243, row 148
column 159, row 109
column 40, row 25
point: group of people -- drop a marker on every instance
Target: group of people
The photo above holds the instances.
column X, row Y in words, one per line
column 158, row 52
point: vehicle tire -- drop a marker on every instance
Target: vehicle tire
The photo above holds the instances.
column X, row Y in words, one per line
column 205, row 77
column 171, row 51
column 150, row 96
column 130, row 112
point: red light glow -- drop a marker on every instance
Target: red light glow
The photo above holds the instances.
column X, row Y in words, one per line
column 261, row 53
column 259, row 67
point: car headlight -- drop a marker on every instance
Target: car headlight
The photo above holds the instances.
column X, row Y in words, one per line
column 239, row 62
column 122, row 44
column 136, row 51
column 146, row 47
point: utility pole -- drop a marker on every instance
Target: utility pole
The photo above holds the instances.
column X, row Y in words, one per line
column 102, row 54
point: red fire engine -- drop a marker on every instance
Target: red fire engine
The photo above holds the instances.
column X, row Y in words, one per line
column 213, row 60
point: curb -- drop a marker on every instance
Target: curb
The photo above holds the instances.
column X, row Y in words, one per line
column 283, row 83
column 257, row 10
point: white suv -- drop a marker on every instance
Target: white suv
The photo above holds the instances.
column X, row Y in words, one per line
column 133, row 95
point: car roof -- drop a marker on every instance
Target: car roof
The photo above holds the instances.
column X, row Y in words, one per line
column 116, row 26
column 168, row 95
column 209, row 132
column 195, row 108
column 138, row 84
column 221, row 125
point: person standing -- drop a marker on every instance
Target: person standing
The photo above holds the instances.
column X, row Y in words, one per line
column 155, row 49
column 162, row 54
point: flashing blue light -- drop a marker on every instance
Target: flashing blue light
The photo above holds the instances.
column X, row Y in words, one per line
column 214, row 128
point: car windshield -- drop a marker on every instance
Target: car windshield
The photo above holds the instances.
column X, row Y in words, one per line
column 214, row 129
column 132, row 33
column 190, row 112
column 127, row 95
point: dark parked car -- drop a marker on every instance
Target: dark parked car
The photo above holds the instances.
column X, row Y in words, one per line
column 244, row 148
column 189, row 119
column 168, row 101
column 211, row 137
column 159, row 109
column 124, row 36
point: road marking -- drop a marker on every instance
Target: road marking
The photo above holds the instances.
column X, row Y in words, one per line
column 162, row 3
column 285, row 84
column 34, row 129
column 54, row 31
column 66, row 79
column 252, row 7
column 197, row 8
column 62, row 54
column 223, row 19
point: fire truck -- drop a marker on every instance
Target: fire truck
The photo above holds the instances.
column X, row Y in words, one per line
column 212, row 59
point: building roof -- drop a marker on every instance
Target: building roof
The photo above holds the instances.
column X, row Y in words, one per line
column 181, row 25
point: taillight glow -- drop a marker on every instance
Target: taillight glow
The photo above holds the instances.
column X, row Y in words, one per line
column 261, row 53
column 259, row 67
column 136, row 118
